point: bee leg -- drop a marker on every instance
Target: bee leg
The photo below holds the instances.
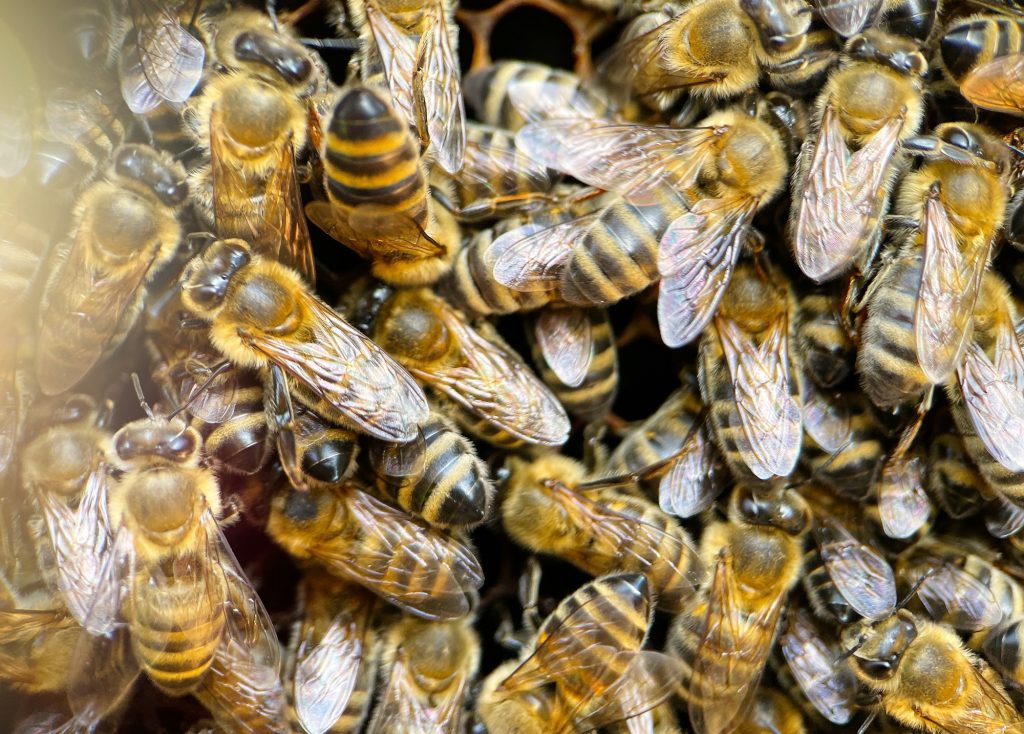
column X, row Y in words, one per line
column 907, row 439
column 529, row 594
column 271, row 7
column 281, row 415
column 595, row 453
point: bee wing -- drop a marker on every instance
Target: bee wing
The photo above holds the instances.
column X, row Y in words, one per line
column 903, row 505
column 994, row 397
column 616, row 536
column 847, row 17
column 633, row 160
column 402, row 706
column 216, row 404
column 648, row 678
column 532, row 257
column 997, row 84
column 345, row 368
column 827, row 420
column 164, row 63
column 72, row 113
column 538, row 99
column 697, row 255
column 953, row 596
column 688, row 488
column 375, row 233
column 397, row 553
column 1003, row 518
column 103, row 665
column 994, row 712
column 493, row 382
column 398, row 52
column 93, row 304
column 484, row 164
column 863, row 578
column 81, row 540
column 770, row 417
column 831, row 688
column 438, row 91
column 326, row 675
column 946, row 296
column 843, row 190
column 240, row 690
column 566, row 340
column 730, row 659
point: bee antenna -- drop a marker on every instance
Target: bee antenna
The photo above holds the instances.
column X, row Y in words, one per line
column 217, row 372
column 137, row 384
column 848, row 653
column 867, row 722
column 917, row 586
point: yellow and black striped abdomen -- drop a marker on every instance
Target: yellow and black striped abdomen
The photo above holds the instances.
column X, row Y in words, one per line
column 852, row 467
column 887, row 362
column 998, row 477
column 370, row 157
column 826, row 601
column 619, row 255
column 242, row 443
column 976, row 40
column 176, row 630
column 953, row 479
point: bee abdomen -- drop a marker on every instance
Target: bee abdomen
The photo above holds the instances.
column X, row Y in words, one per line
column 471, row 285
column 1002, row 647
column 593, row 398
column 975, row 41
column 997, row 476
column 174, row 647
column 826, row 601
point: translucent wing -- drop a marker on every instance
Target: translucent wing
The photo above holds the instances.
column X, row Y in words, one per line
column 103, row 665
column 346, row 369
column 326, row 675
column 697, row 256
column 82, row 313
column 493, row 382
column 902, row 503
column 242, row 691
column 374, row 232
column 770, row 417
column 848, row 17
column 403, row 707
column 827, row 420
column 831, row 688
column 566, row 340
column 11, row 407
column 532, row 257
column 863, row 578
column 633, row 160
column 1003, row 518
column 688, row 488
column 732, row 653
column 398, row 53
column 647, row 679
column 539, row 99
column 216, row 403
column 997, row 84
column 416, row 568
column 945, row 300
column 842, row 193
column 955, row 597
column 486, row 163
column 81, row 539
column 277, row 229
column 438, row 91
column 169, row 57
column 994, row 397
column 72, row 113
column 138, row 93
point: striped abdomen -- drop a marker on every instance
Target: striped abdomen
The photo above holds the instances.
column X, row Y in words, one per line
column 887, row 362
column 593, row 398
column 825, row 345
column 487, row 89
column 973, row 41
column 1003, row 649
column 371, row 159
column 482, row 428
column 953, row 479
column 500, row 177
column 326, row 452
column 176, row 630
column 242, row 443
column 853, row 467
column 826, row 601
column 997, row 476
column 619, row 255
column 453, row 489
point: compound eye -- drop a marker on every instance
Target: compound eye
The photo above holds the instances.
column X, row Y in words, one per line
column 960, row 138
column 878, row 669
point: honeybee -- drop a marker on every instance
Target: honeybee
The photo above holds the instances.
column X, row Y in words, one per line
column 924, row 678
column 843, row 441
column 398, row 557
column 984, row 55
column 726, row 633
column 586, row 669
column 159, row 58
column 772, row 711
column 379, row 203
column 263, row 316
column 225, row 401
column 333, row 655
column 66, row 471
column 823, row 340
column 542, row 91
column 861, row 576
column 86, row 120
column 986, row 399
column 693, row 190
column 930, row 284
column 125, row 229
column 714, row 49
column 748, row 376
column 415, row 44
column 496, row 178
column 830, row 688
column 544, row 509
column 171, row 599
column 447, row 484
column 574, row 350
column 953, row 479
column 903, row 508
column 844, row 173
column 428, row 668
column 472, row 367
column 674, row 432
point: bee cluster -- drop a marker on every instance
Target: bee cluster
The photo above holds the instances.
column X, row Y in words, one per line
column 756, row 462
